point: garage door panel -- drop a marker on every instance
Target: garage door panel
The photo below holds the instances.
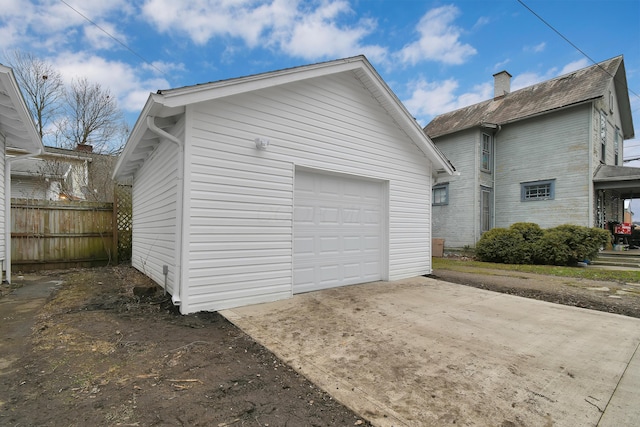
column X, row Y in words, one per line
column 341, row 218
column 304, row 216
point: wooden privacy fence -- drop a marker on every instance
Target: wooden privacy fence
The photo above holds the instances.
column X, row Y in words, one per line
column 62, row 234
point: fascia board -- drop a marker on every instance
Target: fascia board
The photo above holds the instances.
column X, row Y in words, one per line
column 10, row 84
column 408, row 123
column 210, row 91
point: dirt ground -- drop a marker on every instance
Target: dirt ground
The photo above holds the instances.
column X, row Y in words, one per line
column 107, row 349
column 610, row 297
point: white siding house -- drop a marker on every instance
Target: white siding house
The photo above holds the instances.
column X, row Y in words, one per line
column 252, row 189
column 550, row 154
column 17, row 131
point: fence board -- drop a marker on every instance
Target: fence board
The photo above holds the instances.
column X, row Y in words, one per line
column 61, row 234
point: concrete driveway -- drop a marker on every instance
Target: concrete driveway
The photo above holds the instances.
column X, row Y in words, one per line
column 423, row 352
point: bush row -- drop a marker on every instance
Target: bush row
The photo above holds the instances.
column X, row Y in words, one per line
column 527, row 243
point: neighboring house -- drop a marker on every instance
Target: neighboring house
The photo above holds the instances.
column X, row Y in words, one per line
column 253, row 189
column 17, row 131
column 550, row 153
column 63, row 174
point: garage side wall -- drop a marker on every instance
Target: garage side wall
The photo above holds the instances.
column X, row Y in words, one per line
column 154, row 211
column 6, row 216
column 241, row 198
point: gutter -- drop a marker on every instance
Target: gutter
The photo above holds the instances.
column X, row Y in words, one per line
column 7, row 205
column 178, row 291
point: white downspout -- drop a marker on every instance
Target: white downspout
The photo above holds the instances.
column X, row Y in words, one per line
column 7, row 207
column 178, row 291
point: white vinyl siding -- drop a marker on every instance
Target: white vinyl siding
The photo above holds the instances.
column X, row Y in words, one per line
column 154, row 214
column 23, row 187
column 241, row 200
column 6, row 216
column 553, row 146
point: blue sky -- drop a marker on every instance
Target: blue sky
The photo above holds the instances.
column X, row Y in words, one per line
column 435, row 55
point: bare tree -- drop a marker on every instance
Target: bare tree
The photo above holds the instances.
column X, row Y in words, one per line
column 42, row 86
column 93, row 117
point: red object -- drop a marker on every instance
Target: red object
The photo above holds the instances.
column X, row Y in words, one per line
column 622, row 228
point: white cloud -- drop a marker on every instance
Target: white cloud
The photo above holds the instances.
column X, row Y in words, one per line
column 53, row 25
column 530, row 78
column 575, row 65
column 429, row 99
column 318, row 36
column 481, row 22
column 540, row 47
column 439, row 39
column 98, row 39
column 122, row 80
column 297, row 28
column 500, row 65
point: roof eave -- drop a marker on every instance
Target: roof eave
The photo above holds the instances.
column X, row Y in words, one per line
column 33, row 142
column 179, row 98
column 409, row 124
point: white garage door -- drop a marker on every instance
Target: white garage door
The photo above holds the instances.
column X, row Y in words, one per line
column 338, row 231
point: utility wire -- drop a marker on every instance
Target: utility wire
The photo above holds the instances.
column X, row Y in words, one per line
column 113, row 38
column 573, row 45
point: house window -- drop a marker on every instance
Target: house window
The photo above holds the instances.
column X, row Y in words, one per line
column 486, row 152
column 440, row 194
column 603, row 137
column 537, row 190
column 610, row 101
column 616, row 145
column 485, row 215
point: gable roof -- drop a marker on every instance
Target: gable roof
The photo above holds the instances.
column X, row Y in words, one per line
column 168, row 105
column 16, row 123
column 574, row 88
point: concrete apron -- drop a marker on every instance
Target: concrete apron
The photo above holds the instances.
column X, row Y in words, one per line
column 426, row 352
column 17, row 316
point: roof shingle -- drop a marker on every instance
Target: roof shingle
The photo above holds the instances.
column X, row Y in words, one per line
column 570, row 89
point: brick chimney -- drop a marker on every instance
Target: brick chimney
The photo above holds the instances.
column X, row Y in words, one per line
column 501, row 84
column 85, row 148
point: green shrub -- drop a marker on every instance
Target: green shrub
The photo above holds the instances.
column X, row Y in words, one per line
column 553, row 248
column 502, row 245
column 527, row 243
column 530, row 231
column 580, row 243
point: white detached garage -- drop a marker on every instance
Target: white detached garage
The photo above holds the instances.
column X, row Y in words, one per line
column 252, row 189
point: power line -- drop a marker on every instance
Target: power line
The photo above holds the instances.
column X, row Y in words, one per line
column 113, row 38
column 573, row 45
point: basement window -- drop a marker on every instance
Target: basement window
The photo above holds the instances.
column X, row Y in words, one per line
column 537, row 190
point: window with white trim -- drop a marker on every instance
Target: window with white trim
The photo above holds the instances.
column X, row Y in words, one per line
column 616, row 144
column 440, row 195
column 486, row 152
column 610, row 101
column 537, row 190
column 603, row 137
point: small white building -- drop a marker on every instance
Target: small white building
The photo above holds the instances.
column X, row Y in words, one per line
column 252, row 189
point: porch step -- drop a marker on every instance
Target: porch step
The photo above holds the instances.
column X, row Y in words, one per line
column 618, row 259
